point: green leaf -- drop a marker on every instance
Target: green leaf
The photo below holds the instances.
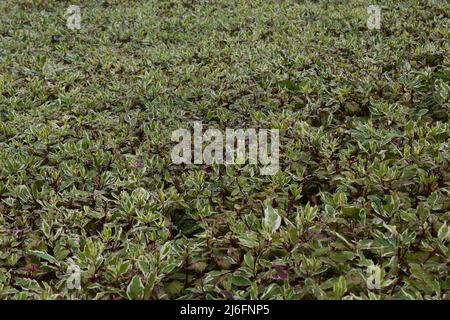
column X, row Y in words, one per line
column 249, row 260
column 250, row 240
column 340, row 287
column 28, row 284
column 172, row 266
column 419, row 273
column 144, row 266
column 135, row 289
column 272, row 220
column 44, row 255
column 149, row 286
column 240, row 281
column 444, row 232
column 46, row 229
column 422, row 112
column 408, row 216
column 124, row 267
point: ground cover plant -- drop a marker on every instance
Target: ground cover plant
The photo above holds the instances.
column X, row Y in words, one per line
column 359, row 209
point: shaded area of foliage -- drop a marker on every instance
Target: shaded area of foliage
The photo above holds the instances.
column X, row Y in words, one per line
column 86, row 177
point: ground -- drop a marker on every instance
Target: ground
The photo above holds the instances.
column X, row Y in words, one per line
column 359, row 209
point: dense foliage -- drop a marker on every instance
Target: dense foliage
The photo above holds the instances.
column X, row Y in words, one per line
column 86, row 177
